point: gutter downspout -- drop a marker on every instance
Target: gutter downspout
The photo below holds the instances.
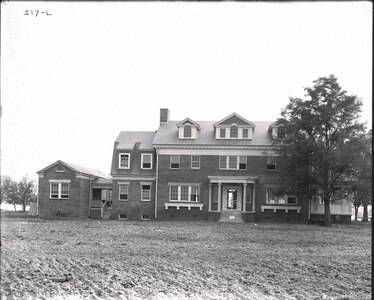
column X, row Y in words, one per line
column 156, row 188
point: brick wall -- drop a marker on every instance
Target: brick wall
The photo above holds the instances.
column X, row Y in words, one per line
column 74, row 207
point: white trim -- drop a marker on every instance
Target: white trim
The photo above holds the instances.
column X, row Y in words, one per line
column 123, row 177
column 59, row 189
column 119, row 217
column 119, row 160
column 79, row 176
column 41, row 175
column 60, row 180
column 243, row 151
column 141, row 192
column 274, row 208
column 188, row 205
column 196, row 168
column 228, row 162
column 142, row 161
column 119, row 192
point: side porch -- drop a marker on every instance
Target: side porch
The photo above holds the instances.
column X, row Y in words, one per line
column 100, row 201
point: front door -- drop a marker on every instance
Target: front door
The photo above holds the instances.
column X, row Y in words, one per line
column 232, row 197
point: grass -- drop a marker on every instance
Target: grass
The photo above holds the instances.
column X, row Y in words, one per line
column 91, row 259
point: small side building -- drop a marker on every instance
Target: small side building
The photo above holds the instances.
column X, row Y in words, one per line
column 65, row 190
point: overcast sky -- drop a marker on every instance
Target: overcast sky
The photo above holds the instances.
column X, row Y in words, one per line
column 73, row 79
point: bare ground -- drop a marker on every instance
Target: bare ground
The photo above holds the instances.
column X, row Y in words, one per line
column 91, row 259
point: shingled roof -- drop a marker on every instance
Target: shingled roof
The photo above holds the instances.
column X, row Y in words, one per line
column 75, row 168
column 127, row 139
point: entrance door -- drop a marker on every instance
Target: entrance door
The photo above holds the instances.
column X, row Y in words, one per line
column 232, row 198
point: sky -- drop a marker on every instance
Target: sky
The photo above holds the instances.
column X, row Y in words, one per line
column 75, row 74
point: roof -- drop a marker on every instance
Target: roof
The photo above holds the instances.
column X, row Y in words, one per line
column 188, row 121
column 168, row 135
column 127, row 139
column 75, row 168
column 234, row 118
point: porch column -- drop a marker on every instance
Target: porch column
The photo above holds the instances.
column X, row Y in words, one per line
column 210, row 197
column 253, row 197
column 219, row 196
column 244, row 197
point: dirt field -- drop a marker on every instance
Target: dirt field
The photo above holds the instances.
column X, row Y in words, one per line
column 91, row 259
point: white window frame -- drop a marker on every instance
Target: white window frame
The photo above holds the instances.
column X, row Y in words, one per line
column 150, row 161
column 185, row 127
column 119, row 161
column 177, row 161
column 247, row 133
column 222, row 133
column 142, row 193
column 239, row 158
column 236, row 131
column 179, row 188
column 280, row 200
column 119, row 191
column 122, row 218
column 195, row 161
column 59, row 189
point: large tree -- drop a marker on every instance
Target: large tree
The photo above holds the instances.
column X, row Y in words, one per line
column 362, row 173
column 322, row 141
column 22, row 192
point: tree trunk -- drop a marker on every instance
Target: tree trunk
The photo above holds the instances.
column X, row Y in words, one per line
column 365, row 217
column 15, row 207
column 327, row 218
column 23, row 207
column 356, row 213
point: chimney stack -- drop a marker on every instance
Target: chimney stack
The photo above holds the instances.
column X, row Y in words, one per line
column 164, row 115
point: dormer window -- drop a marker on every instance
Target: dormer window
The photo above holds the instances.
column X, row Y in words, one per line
column 245, row 133
column 281, row 132
column 234, row 131
column 222, row 132
column 187, row 131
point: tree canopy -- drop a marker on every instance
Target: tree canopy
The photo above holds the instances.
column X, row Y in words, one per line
column 323, row 136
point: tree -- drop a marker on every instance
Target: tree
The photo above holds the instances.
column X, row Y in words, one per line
column 22, row 192
column 26, row 192
column 323, row 136
column 362, row 170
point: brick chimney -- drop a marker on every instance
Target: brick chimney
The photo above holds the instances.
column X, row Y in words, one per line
column 164, row 115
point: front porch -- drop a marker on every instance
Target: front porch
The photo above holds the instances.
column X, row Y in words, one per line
column 232, row 198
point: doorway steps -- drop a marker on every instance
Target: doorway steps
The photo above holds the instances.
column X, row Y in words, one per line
column 231, row 216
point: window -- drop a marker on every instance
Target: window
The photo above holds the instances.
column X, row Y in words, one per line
column 195, row 162
column 59, row 189
column 234, row 131
column 222, row 132
column 122, row 217
column 146, row 192
column 184, row 192
column 281, row 132
column 123, row 192
column 145, row 217
column 174, row 161
column 232, row 162
column 242, row 163
column 187, row 131
column 274, row 197
column 271, row 163
column 245, row 133
column 146, row 161
column 124, row 161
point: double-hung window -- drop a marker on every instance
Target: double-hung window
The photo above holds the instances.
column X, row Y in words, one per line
column 245, row 133
column 146, row 192
column 271, row 163
column 187, row 131
column 195, row 162
column 233, row 131
column 59, row 189
column 281, row 132
column 124, row 161
column 146, row 161
column 232, row 162
column 274, row 197
column 123, row 192
column 184, row 192
column 222, row 132
column 174, row 161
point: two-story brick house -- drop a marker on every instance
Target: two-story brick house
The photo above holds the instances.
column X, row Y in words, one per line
column 223, row 170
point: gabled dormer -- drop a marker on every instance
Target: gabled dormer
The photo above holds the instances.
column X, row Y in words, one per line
column 277, row 130
column 188, row 129
column 234, row 127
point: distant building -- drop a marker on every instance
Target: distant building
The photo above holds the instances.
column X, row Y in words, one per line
column 223, row 170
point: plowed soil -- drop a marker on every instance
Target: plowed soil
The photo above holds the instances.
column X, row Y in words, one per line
column 91, row 259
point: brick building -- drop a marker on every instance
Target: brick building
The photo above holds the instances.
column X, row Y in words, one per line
column 223, row 170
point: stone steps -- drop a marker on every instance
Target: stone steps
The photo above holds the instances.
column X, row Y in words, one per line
column 231, row 216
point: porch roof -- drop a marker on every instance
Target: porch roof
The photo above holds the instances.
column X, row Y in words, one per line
column 232, row 179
